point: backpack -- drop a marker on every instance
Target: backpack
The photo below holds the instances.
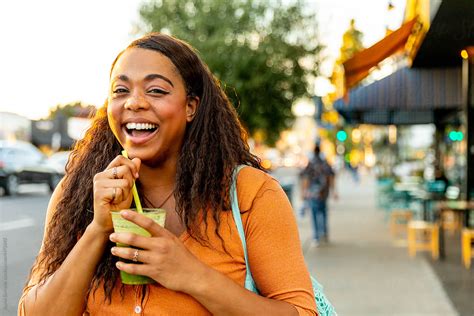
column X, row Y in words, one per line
column 318, row 172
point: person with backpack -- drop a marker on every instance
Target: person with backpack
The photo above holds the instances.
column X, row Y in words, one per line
column 317, row 183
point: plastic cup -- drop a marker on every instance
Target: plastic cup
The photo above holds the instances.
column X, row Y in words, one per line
column 122, row 225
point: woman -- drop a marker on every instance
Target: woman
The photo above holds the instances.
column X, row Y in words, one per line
column 166, row 109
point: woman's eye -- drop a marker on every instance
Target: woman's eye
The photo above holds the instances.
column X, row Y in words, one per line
column 157, row 91
column 120, row 90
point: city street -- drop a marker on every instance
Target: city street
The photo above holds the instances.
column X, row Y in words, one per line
column 381, row 92
column 21, row 231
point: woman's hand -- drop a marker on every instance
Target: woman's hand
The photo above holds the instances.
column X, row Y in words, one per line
column 113, row 190
column 163, row 256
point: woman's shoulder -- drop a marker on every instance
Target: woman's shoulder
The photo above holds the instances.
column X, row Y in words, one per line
column 250, row 181
column 252, row 177
column 54, row 200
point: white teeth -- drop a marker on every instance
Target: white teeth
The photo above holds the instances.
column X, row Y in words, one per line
column 141, row 126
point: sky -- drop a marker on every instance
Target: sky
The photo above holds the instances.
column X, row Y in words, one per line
column 57, row 52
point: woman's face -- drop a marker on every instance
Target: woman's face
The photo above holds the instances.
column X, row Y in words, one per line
column 148, row 108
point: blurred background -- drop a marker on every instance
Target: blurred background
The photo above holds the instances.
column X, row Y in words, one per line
column 385, row 87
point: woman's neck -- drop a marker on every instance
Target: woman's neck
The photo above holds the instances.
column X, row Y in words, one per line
column 161, row 177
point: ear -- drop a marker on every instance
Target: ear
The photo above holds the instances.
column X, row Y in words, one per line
column 191, row 108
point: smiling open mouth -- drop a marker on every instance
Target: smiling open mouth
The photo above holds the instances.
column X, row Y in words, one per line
column 140, row 129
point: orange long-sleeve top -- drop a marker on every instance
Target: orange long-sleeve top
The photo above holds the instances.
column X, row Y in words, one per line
column 274, row 251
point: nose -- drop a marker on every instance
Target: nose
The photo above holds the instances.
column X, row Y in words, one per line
column 136, row 102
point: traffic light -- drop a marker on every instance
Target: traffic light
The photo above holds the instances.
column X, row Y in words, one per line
column 341, row 135
column 456, row 136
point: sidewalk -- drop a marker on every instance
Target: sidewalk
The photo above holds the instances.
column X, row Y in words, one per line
column 362, row 270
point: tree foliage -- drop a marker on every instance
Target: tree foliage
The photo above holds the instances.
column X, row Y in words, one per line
column 74, row 109
column 263, row 52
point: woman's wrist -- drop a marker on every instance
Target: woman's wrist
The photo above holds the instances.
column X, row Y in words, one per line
column 201, row 281
column 98, row 231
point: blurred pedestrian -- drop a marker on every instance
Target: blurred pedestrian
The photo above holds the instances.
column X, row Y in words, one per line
column 306, row 206
column 318, row 180
column 185, row 142
column 354, row 171
column 441, row 178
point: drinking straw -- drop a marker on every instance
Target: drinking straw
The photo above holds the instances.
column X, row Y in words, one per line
column 134, row 189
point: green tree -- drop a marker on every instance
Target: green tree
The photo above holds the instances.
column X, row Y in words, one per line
column 263, row 52
column 74, row 109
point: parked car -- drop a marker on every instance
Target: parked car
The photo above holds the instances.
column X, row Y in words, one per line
column 58, row 161
column 21, row 162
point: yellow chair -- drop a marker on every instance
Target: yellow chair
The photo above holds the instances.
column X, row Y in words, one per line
column 423, row 235
column 466, row 245
column 399, row 220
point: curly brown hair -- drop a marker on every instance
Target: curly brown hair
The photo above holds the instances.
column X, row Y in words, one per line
column 215, row 142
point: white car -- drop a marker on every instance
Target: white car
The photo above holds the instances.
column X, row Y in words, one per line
column 59, row 160
column 21, row 162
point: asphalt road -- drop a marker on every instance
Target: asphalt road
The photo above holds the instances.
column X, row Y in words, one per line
column 21, row 232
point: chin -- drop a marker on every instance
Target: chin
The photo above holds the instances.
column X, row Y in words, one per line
column 147, row 157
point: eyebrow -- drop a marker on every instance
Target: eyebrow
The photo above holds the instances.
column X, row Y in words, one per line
column 149, row 77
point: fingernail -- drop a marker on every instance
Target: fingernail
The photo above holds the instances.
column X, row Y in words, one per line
column 118, row 264
column 112, row 237
column 113, row 250
column 136, row 175
column 124, row 214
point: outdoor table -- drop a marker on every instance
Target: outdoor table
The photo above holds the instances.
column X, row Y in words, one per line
column 459, row 206
column 425, row 198
column 415, row 191
column 406, row 189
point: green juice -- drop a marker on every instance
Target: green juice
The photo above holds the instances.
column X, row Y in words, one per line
column 122, row 225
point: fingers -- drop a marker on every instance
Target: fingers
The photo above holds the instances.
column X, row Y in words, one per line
column 147, row 223
column 137, row 162
column 119, row 172
column 120, row 161
column 132, row 240
column 154, row 250
column 113, row 185
column 131, row 268
column 148, row 247
column 115, row 171
column 132, row 254
column 113, row 191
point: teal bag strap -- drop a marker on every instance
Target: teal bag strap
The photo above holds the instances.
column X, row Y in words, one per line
column 323, row 305
column 249, row 282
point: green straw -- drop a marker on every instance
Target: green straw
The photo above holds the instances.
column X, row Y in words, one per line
column 134, row 189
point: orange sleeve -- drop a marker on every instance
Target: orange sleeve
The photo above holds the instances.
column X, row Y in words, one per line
column 274, row 248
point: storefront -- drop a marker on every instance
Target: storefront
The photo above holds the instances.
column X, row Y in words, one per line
column 429, row 84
